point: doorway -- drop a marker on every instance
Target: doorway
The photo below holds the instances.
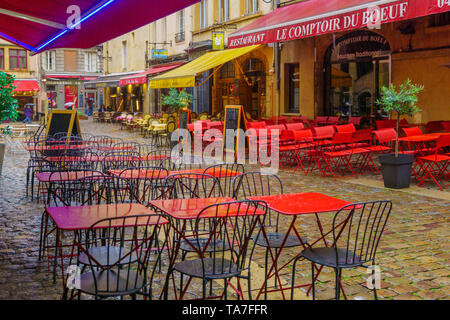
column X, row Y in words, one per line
column 357, row 66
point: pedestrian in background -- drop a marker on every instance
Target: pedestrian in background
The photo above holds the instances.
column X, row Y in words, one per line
column 28, row 114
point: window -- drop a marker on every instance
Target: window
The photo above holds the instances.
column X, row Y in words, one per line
column 224, row 10
column 438, row 20
column 90, row 62
column 2, row 59
column 203, row 14
column 124, row 55
column 165, row 29
column 155, row 32
column 49, row 61
column 17, row 59
column 179, row 37
column 292, row 75
column 252, row 6
column 228, row 71
column 181, row 21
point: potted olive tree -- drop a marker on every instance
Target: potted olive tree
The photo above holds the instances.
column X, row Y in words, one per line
column 176, row 99
column 396, row 167
column 8, row 109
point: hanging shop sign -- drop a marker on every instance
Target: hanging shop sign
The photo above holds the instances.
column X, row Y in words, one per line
column 218, row 40
column 159, row 53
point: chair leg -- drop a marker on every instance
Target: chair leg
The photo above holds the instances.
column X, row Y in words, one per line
column 373, row 284
column 313, row 282
column 338, row 287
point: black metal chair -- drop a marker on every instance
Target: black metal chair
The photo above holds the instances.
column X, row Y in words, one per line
column 157, row 158
column 81, row 189
column 121, row 256
column 221, row 172
column 146, row 187
column 357, row 230
column 120, row 160
column 145, row 149
column 256, row 184
column 226, row 252
column 191, row 185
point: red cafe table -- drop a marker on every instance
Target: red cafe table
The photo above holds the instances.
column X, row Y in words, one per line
column 77, row 219
column 182, row 212
column 151, row 173
column 422, row 142
column 295, row 205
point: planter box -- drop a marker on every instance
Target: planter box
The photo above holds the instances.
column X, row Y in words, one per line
column 396, row 171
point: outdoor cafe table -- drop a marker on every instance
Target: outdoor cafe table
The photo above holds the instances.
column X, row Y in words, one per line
column 150, row 173
column 420, row 142
column 56, row 148
column 295, row 205
column 80, row 218
column 182, row 212
column 103, row 159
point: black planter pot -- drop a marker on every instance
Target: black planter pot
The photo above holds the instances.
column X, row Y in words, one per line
column 396, row 171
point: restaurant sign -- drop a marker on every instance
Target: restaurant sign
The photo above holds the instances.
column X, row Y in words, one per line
column 159, row 53
column 371, row 14
column 360, row 44
column 218, row 40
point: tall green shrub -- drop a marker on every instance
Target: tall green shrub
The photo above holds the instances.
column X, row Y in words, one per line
column 8, row 105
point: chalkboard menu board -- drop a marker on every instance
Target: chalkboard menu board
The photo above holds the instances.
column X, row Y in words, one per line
column 63, row 121
column 234, row 120
column 184, row 118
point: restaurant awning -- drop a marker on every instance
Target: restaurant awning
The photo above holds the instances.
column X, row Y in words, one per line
column 26, row 85
column 142, row 77
column 43, row 25
column 184, row 76
column 317, row 17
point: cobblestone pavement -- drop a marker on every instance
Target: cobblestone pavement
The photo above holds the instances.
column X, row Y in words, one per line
column 413, row 255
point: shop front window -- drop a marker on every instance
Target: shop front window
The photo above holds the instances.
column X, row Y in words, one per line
column 356, row 69
column 292, row 80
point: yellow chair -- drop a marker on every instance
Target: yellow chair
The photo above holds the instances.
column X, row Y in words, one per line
column 167, row 134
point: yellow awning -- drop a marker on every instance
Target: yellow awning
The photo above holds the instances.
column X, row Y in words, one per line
column 184, row 76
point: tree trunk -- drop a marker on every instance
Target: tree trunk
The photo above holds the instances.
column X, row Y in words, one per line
column 396, row 137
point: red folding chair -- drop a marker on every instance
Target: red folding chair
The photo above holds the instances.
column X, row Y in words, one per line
column 294, row 154
column 332, row 120
column 435, row 166
column 346, row 128
column 446, row 126
column 356, row 121
column 413, row 131
column 339, row 157
column 321, row 120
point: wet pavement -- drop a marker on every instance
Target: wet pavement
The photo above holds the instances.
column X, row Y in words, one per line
column 413, row 254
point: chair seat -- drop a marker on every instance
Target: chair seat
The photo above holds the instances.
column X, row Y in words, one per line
column 110, row 283
column 217, row 245
column 214, row 268
column 327, row 257
column 275, row 240
column 99, row 255
column 378, row 148
column 435, row 158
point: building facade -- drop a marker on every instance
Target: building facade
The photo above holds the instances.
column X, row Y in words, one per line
column 248, row 80
column 18, row 62
column 130, row 60
column 64, row 73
